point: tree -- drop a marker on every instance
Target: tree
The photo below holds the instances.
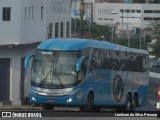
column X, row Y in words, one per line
column 98, row 31
column 134, row 42
column 155, row 26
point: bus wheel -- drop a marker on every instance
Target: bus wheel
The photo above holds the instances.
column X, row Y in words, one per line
column 128, row 106
column 134, row 102
column 47, row 107
column 89, row 104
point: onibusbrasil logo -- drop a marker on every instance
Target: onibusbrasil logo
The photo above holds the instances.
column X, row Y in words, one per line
column 118, row 88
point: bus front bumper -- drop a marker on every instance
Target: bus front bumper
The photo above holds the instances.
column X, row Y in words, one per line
column 69, row 100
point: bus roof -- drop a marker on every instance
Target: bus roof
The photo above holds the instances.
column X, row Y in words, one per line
column 67, row 44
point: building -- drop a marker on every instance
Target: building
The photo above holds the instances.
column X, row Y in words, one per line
column 101, row 1
column 134, row 17
column 127, row 1
column 25, row 23
column 114, row 1
column 131, row 17
column 88, row 9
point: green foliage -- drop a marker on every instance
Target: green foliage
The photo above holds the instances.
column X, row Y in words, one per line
column 156, row 48
column 97, row 30
column 134, row 42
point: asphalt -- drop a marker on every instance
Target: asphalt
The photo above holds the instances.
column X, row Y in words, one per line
column 19, row 107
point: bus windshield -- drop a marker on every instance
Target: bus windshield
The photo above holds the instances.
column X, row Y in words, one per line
column 54, row 69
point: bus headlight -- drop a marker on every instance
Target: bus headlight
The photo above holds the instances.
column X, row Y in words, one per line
column 69, row 100
column 33, row 98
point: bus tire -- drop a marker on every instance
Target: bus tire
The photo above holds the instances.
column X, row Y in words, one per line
column 47, row 107
column 128, row 106
column 134, row 102
column 89, row 104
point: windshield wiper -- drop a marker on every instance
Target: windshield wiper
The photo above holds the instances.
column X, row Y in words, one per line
column 50, row 74
column 54, row 76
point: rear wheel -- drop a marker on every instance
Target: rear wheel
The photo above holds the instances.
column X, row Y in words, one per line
column 128, row 106
column 134, row 102
column 89, row 104
column 47, row 107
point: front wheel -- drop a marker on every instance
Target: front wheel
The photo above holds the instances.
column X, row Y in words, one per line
column 89, row 104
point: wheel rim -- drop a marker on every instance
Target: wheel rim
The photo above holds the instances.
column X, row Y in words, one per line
column 134, row 103
column 89, row 103
column 129, row 104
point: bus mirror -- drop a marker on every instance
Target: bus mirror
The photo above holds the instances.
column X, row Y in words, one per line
column 79, row 63
column 27, row 60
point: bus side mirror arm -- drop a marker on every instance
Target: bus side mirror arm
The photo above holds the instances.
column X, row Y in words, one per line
column 27, row 60
column 79, row 63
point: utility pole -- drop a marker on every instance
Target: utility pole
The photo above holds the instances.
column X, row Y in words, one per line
column 75, row 16
column 81, row 17
column 128, row 31
column 122, row 26
column 140, row 32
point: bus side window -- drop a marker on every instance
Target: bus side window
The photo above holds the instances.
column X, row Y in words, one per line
column 145, row 63
column 114, row 55
column 93, row 65
column 96, row 59
column 139, row 63
column 82, row 73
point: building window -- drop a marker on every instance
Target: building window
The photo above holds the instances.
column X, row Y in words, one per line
column 25, row 14
column 50, row 30
column 61, row 33
column 132, row 11
column 42, row 10
column 156, row 11
column 127, row 11
column 157, row 19
column 138, row 11
column 148, row 11
column 29, row 12
column 6, row 14
column 100, row 18
column 148, row 18
column 32, row 12
column 56, row 30
column 67, row 29
column 121, row 10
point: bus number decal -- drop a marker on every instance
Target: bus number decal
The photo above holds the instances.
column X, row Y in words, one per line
column 118, row 88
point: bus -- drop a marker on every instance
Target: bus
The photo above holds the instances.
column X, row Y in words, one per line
column 88, row 74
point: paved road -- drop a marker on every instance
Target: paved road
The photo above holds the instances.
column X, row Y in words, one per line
column 74, row 113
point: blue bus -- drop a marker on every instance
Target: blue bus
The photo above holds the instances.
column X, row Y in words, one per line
column 89, row 74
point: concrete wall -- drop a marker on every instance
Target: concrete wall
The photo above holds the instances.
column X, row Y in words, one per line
column 10, row 30
column 26, row 25
column 15, row 56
